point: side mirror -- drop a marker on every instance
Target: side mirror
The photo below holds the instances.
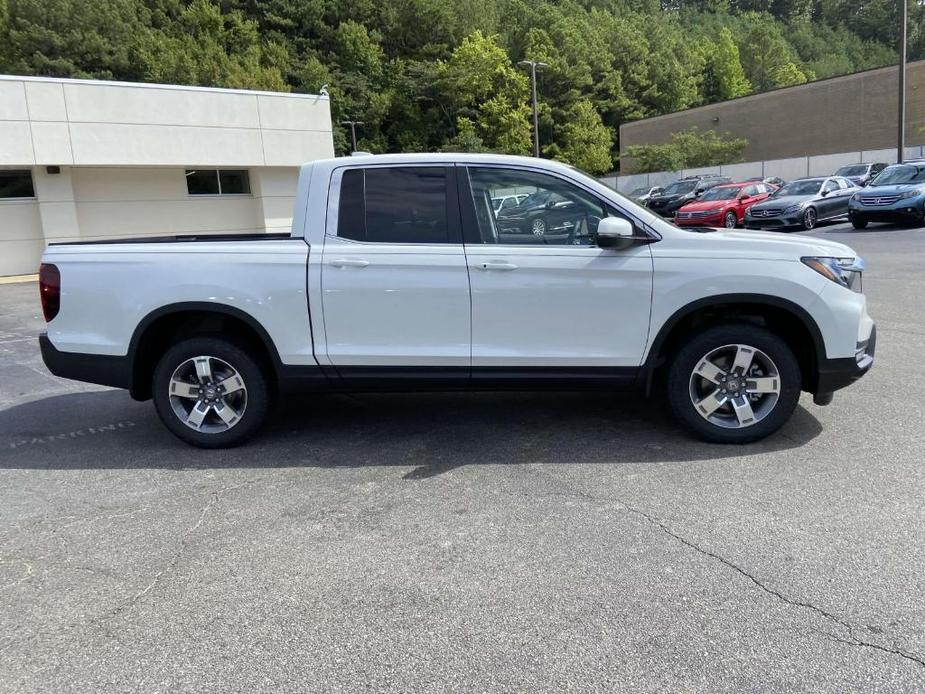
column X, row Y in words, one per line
column 823, row 193
column 615, row 232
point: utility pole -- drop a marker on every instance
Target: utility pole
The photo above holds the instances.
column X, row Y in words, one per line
column 353, row 131
column 533, row 65
column 901, row 135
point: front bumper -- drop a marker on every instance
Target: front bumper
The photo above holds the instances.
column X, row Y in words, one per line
column 784, row 221
column 902, row 212
column 835, row 374
column 714, row 220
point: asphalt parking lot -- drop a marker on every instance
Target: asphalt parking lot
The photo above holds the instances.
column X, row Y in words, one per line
column 483, row 542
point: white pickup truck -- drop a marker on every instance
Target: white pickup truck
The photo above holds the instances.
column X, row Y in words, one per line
column 400, row 274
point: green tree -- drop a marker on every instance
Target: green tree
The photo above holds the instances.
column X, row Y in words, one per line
column 479, row 83
column 206, row 46
column 686, row 150
column 585, row 140
column 768, row 59
column 73, row 38
column 725, row 77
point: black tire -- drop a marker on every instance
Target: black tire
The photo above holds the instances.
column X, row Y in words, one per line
column 730, row 221
column 809, row 218
column 694, row 352
column 858, row 223
column 255, row 392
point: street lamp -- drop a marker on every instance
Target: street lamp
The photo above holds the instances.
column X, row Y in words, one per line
column 353, row 130
column 901, row 137
column 533, row 64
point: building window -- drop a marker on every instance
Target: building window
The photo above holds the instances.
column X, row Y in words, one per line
column 16, row 184
column 217, row 182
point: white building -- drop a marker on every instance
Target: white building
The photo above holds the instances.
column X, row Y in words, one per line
column 85, row 160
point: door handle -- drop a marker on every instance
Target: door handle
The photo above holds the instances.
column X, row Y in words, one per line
column 497, row 265
column 349, row 262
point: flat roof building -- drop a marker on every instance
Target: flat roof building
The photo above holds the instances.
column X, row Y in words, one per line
column 87, row 160
column 850, row 113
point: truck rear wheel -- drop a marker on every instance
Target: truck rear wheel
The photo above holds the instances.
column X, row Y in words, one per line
column 734, row 383
column 210, row 393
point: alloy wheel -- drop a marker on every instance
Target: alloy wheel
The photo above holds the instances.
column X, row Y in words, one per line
column 809, row 218
column 538, row 227
column 731, row 220
column 735, row 386
column 207, row 394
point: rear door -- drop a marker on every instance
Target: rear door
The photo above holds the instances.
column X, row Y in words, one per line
column 395, row 286
column 551, row 305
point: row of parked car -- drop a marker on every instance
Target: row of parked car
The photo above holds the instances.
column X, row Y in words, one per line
column 864, row 193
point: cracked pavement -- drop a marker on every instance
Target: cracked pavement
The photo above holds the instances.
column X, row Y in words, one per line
column 468, row 542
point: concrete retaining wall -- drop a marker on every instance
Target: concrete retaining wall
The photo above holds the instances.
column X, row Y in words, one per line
column 788, row 169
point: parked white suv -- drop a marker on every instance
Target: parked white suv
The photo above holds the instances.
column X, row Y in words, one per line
column 398, row 274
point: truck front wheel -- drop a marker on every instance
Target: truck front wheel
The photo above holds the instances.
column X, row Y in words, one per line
column 734, row 383
column 210, row 393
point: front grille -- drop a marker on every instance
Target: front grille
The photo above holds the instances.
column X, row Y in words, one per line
column 693, row 215
column 766, row 212
column 879, row 200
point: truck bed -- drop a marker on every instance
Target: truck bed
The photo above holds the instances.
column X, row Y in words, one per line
column 179, row 238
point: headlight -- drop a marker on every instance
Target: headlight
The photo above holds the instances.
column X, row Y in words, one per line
column 843, row 271
column 793, row 208
column 910, row 194
column 856, row 196
column 714, row 210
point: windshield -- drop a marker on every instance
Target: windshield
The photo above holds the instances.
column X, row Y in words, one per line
column 799, row 188
column 857, row 170
column 901, row 173
column 721, row 193
column 680, row 188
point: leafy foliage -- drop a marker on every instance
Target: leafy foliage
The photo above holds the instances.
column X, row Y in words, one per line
column 687, row 150
column 432, row 75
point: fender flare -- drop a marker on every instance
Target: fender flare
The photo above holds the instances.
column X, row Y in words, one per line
column 796, row 310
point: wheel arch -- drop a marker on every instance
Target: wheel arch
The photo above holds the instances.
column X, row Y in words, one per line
column 786, row 318
column 163, row 326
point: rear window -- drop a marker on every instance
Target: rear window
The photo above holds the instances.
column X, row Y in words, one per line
column 394, row 205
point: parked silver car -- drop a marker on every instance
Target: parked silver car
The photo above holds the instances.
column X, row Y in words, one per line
column 802, row 203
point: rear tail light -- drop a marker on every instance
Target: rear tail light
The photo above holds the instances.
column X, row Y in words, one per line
column 50, row 290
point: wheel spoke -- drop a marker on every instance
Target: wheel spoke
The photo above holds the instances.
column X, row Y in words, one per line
column 743, row 410
column 763, row 384
column 226, row 413
column 182, row 389
column 203, row 369
column 710, row 371
column 197, row 414
column 743, row 359
column 232, row 384
column 711, row 403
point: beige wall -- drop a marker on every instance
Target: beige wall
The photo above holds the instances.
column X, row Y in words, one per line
column 843, row 114
column 20, row 237
column 90, row 203
column 90, row 123
column 122, row 150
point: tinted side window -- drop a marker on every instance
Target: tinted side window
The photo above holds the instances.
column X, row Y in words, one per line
column 394, row 205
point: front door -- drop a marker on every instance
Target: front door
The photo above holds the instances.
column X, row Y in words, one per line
column 395, row 286
column 545, row 299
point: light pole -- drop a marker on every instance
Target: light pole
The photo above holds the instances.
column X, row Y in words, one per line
column 533, row 64
column 901, row 135
column 353, row 130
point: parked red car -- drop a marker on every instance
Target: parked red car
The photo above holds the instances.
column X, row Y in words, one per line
column 723, row 206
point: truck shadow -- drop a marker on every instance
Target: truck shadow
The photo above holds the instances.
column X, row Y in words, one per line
column 430, row 433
